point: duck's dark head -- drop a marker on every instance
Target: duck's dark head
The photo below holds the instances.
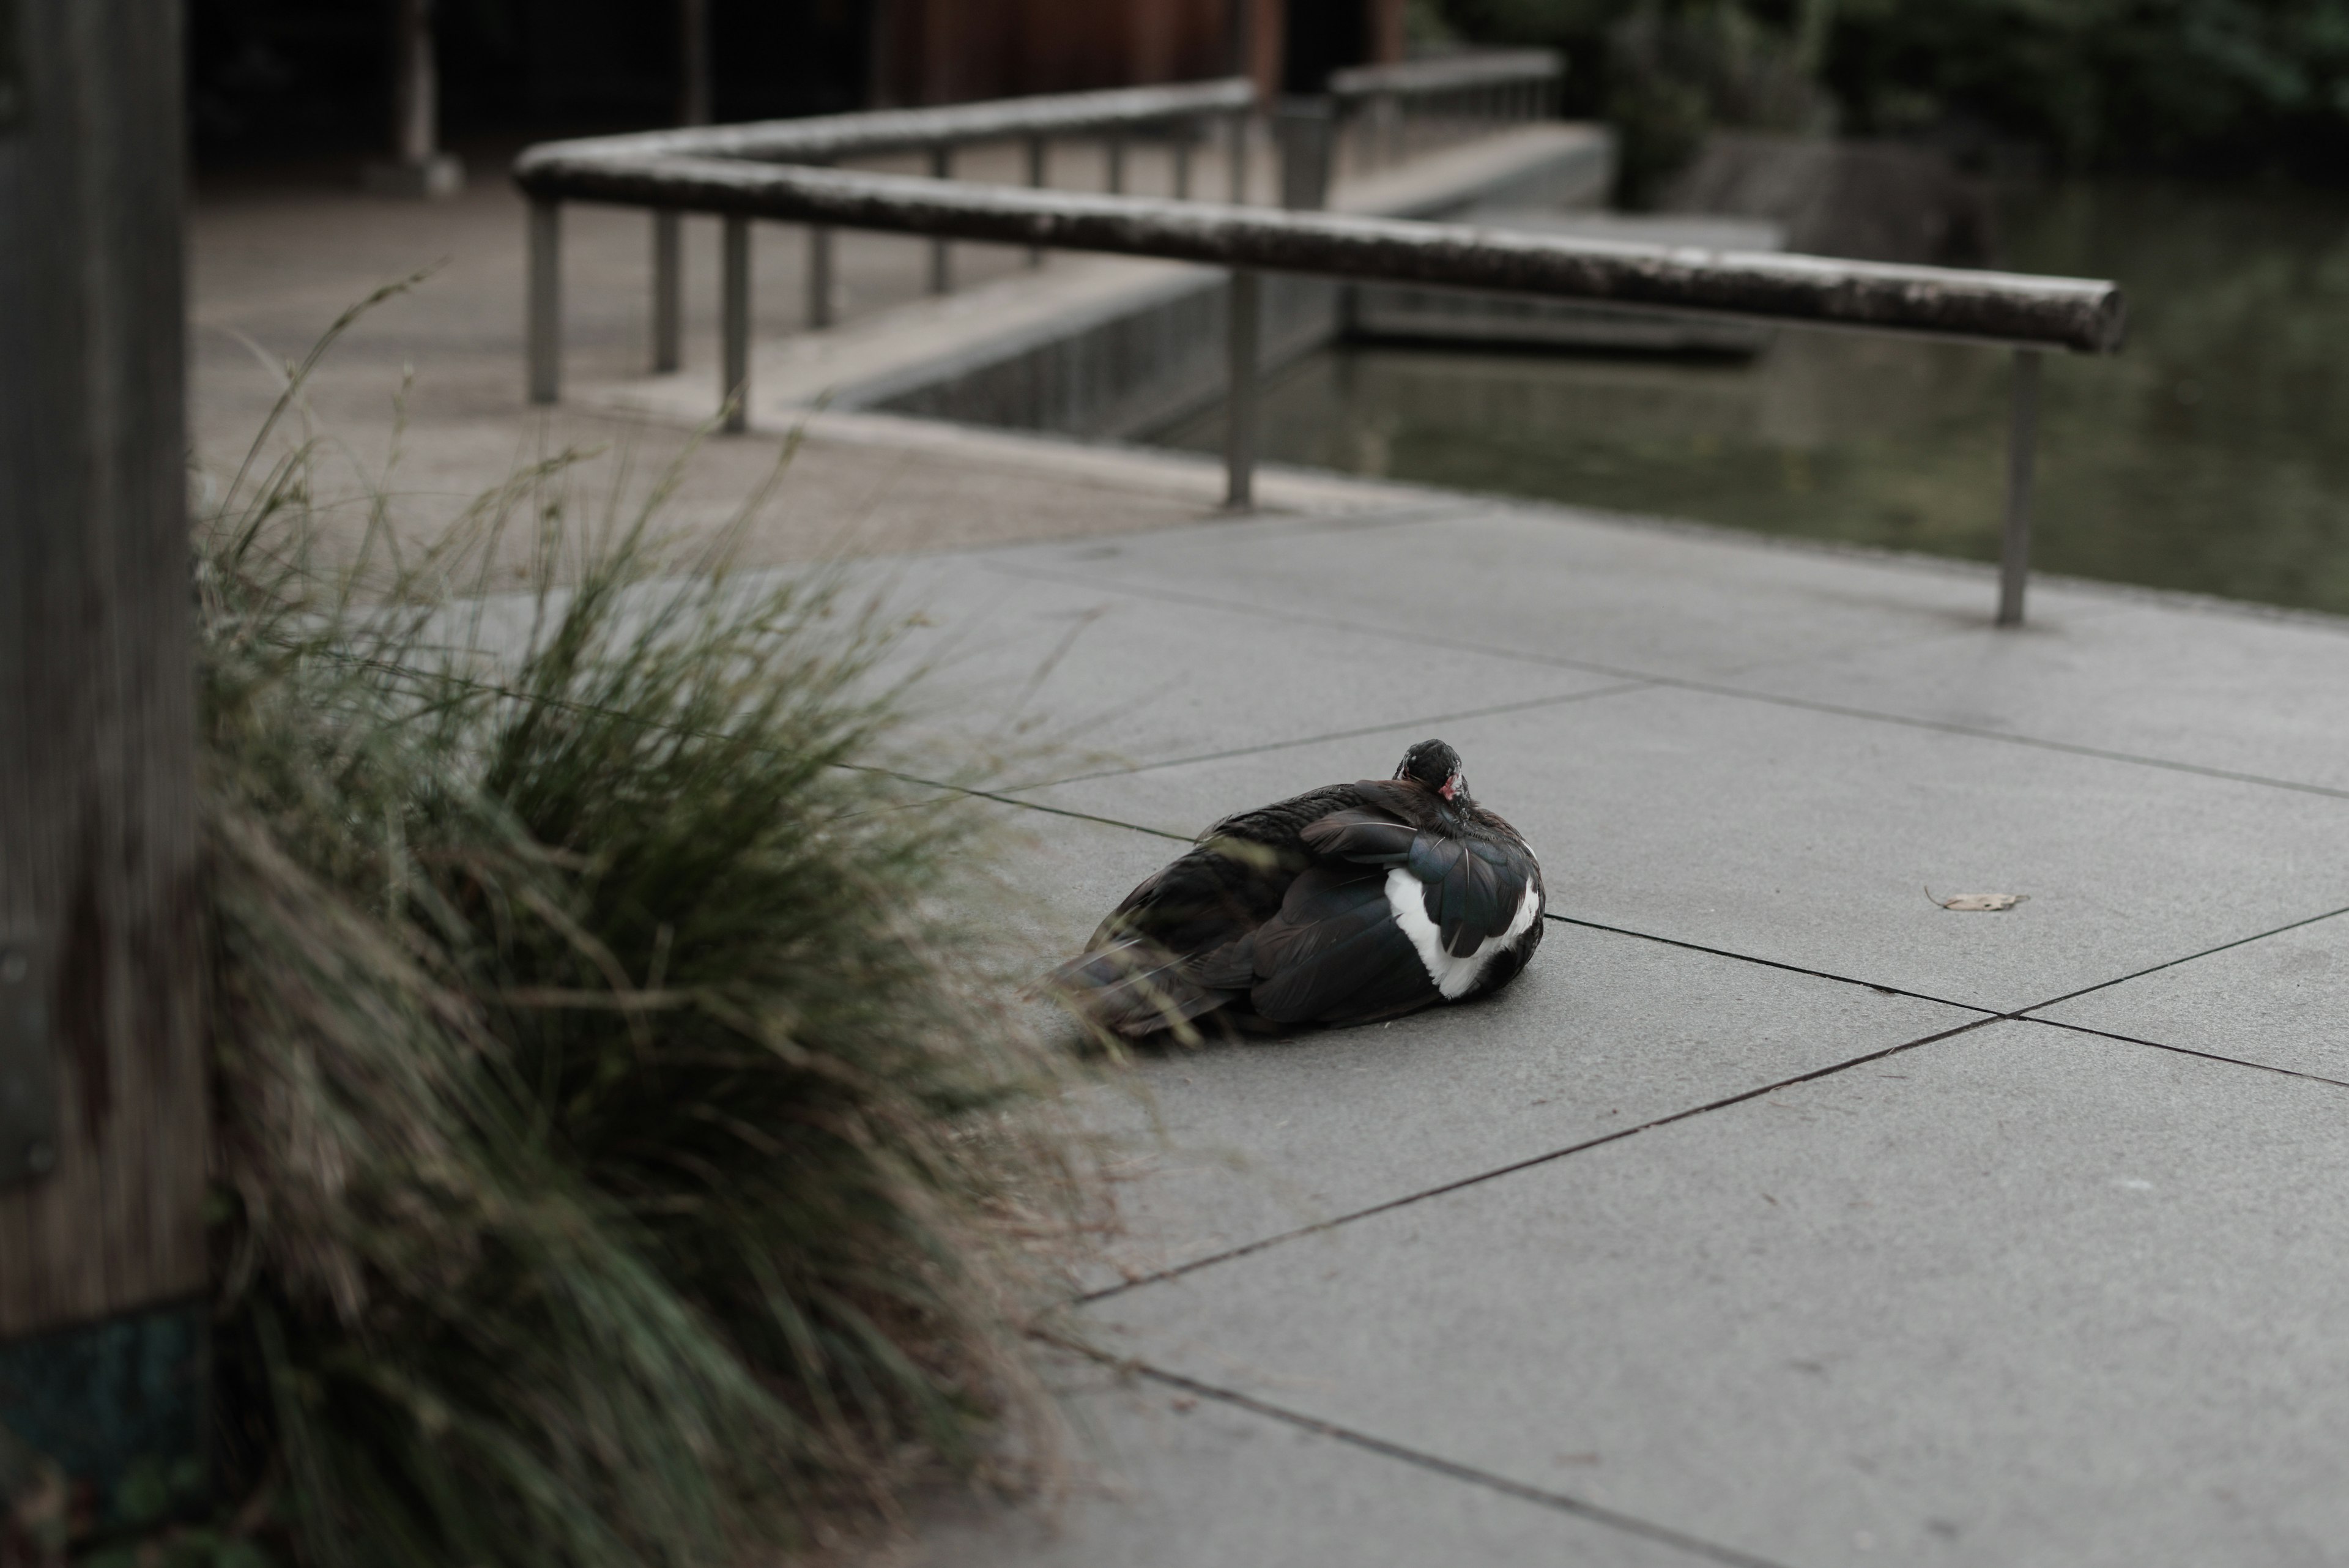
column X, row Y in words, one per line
column 1437, row 766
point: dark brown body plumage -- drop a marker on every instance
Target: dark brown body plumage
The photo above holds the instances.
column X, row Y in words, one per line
column 1292, row 913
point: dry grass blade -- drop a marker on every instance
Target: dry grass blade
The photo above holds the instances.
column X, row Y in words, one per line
column 629, row 1161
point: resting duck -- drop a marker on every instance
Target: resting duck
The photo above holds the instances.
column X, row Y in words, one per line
column 1346, row 905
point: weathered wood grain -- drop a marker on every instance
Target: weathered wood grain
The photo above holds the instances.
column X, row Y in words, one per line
column 97, row 837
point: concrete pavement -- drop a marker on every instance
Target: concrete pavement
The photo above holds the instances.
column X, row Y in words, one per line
column 1778, row 1215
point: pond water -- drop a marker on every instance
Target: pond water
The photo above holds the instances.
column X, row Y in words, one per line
column 2211, row 455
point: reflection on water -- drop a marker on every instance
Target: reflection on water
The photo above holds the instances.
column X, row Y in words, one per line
column 2212, row 454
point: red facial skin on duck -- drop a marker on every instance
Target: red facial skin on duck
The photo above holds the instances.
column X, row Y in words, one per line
column 1451, row 787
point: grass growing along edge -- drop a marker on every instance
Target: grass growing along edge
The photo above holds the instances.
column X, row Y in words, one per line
column 627, row 1157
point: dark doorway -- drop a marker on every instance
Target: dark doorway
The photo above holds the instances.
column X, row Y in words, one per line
column 1322, row 35
column 271, row 80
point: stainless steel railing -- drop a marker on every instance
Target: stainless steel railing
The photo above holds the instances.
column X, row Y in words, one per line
column 1186, row 110
column 763, row 173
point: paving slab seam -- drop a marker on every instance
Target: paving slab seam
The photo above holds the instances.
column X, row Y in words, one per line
column 1974, row 732
column 1775, row 964
column 1688, row 683
column 1286, row 520
column 491, row 689
column 2173, row 964
column 2020, row 1014
column 1414, row 723
column 1263, row 1243
column 1562, row 919
column 2187, row 1051
column 2188, row 600
column 1990, row 1013
column 1450, row 1470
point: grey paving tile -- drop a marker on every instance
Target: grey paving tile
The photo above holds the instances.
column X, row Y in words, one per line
column 1096, row 679
column 2282, row 1002
column 1167, row 1481
column 2232, row 690
column 1236, row 1143
column 1229, row 1144
column 1550, row 583
column 1809, row 838
column 2023, row 1297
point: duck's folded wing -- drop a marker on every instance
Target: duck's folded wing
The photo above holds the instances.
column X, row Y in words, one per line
column 1201, row 901
column 1473, row 888
column 1367, row 838
column 1334, row 953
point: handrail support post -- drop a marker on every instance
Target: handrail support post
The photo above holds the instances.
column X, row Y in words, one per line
column 2022, row 437
column 1304, row 127
column 941, row 255
column 819, row 276
column 544, row 326
column 1240, row 398
column 734, row 323
column 1038, row 151
column 669, row 289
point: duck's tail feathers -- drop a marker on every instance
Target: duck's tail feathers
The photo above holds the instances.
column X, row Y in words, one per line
column 1134, row 987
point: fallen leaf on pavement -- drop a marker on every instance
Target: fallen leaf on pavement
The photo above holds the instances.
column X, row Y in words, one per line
column 1971, row 902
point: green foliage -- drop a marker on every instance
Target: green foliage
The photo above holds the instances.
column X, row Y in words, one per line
column 2186, row 84
column 2204, row 85
column 629, row 1151
column 1663, row 72
column 1676, row 70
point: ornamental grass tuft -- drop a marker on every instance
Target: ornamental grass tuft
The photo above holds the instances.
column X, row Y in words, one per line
column 627, row 1157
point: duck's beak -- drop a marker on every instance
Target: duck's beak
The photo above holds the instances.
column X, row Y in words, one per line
column 1450, row 787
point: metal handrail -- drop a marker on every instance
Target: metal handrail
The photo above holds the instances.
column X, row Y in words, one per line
column 825, row 138
column 1479, row 85
column 2007, row 308
column 2030, row 314
column 1448, row 73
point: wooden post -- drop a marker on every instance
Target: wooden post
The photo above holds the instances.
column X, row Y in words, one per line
column 103, row 1272
column 417, row 166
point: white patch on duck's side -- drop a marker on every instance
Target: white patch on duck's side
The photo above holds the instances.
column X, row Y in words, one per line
column 1455, row 977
